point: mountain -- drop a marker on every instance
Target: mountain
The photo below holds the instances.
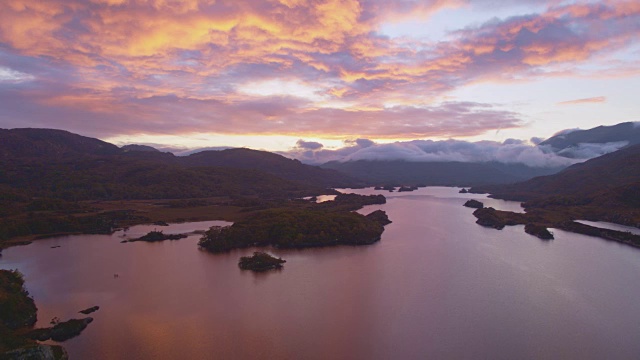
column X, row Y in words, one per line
column 242, row 158
column 606, row 188
column 136, row 147
column 607, row 175
column 49, row 143
column 563, row 143
column 436, row 173
column 44, row 161
column 47, row 163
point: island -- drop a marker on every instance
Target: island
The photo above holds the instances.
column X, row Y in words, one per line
column 89, row 310
column 260, row 261
column 474, row 204
column 538, row 220
column 159, row 236
column 407, row 188
column 303, row 224
column 604, row 189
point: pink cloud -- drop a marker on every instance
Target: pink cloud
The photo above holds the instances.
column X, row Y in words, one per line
column 113, row 66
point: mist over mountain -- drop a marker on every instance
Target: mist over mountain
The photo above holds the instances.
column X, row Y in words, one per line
column 511, row 151
column 586, row 144
column 464, row 163
column 614, row 176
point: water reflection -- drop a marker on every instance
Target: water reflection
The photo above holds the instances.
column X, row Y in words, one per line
column 436, row 286
column 610, row 226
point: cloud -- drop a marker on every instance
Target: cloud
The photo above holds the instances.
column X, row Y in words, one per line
column 564, row 132
column 592, row 150
column 171, row 114
column 536, row 140
column 591, row 100
column 308, row 145
column 8, row 75
column 281, row 66
column 512, row 151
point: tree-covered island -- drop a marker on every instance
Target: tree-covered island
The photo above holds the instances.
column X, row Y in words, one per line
column 303, row 224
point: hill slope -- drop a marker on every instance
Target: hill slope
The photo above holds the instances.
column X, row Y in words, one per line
column 60, row 164
column 436, row 173
column 606, row 173
column 625, row 132
column 50, row 143
column 271, row 163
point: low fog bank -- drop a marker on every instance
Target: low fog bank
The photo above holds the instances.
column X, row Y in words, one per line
column 511, row 151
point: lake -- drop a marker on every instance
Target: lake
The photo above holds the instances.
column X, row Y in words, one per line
column 436, row 286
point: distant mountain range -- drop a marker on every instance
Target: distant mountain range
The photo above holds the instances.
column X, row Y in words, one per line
column 60, row 164
column 579, row 144
column 48, row 160
column 399, row 172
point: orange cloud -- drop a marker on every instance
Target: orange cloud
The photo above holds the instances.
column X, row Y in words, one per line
column 115, row 55
column 591, row 100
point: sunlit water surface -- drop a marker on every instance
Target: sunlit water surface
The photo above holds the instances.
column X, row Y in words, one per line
column 437, row 286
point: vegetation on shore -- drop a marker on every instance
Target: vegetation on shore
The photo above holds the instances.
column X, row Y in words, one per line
column 606, row 188
column 536, row 223
column 54, row 182
column 18, row 314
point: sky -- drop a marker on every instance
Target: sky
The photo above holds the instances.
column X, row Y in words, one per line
column 286, row 74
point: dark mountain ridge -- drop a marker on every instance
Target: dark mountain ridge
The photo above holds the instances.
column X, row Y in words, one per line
column 606, row 188
column 275, row 164
column 50, row 143
column 602, row 174
column 49, row 148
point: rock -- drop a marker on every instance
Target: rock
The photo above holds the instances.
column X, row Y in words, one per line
column 37, row 352
column 463, row 191
column 538, row 231
column 89, row 310
column 55, row 247
column 474, row 204
column 61, row 331
column 378, row 188
column 260, row 261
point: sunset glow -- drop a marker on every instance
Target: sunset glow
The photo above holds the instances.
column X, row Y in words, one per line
column 205, row 73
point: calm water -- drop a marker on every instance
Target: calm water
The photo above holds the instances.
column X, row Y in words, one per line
column 611, row 226
column 436, row 286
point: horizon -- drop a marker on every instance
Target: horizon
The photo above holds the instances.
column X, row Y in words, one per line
column 273, row 75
